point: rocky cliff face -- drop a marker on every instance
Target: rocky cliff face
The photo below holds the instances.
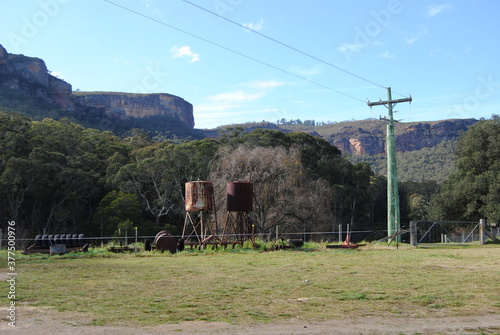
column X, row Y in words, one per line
column 368, row 137
column 29, row 75
column 128, row 105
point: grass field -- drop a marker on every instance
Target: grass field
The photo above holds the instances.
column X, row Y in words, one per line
column 244, row 286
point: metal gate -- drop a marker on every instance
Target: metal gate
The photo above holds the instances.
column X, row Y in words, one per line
column 448, row 231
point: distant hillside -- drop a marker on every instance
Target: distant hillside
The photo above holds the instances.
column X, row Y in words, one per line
column 425, row 149
column 367, row 137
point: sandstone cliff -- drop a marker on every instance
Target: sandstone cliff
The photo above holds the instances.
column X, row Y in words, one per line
column 29, row 75
column 368, row 137
column 128, row 105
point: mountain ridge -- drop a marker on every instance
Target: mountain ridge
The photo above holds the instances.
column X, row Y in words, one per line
column 29, row 76
column 367, row 137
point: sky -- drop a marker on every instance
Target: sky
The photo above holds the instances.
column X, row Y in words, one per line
column 316, row 60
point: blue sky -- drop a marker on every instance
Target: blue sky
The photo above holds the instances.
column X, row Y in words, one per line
column 444, row 53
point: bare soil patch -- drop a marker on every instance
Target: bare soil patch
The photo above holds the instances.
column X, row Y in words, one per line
column 45, row 321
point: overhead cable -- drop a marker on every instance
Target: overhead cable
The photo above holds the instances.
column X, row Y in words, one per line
column 286, row 45
column 232, row 50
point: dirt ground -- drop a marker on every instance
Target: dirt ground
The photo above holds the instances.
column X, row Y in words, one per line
column 41, row 321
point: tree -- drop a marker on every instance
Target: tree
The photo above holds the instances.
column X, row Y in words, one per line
column 159, row 171
column 283, row 193
column 152, row 180
column 52, row 173
column 114, row 208
column 473, row 191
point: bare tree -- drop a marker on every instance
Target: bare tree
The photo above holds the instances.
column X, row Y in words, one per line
column 283, row 193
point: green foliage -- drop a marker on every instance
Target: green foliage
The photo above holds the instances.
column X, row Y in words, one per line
column 114, row 208
column 124, row 228
column 52, row 174
column 63, row 177
column 473, row 191
column 427, row 164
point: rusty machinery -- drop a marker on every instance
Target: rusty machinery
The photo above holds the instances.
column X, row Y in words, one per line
column 164, row 241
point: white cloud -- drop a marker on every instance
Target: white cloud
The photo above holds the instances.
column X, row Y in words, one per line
column 254, row 26
column 147, row 3
column 308, row 73
column 184, row 51
column 350, row 48
column 239, row 106
column 411, row 40
column 434, row 10
column 57, row 74
column 387, row 55
column 228, row 101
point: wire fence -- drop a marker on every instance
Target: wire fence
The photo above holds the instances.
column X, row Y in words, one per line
column 428, row 232
column 47, row 240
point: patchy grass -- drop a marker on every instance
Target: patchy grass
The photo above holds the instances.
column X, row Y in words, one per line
column 244, row 285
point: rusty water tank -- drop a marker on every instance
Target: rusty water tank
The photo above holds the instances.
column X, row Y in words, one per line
column 199, row 196
column 240, row 196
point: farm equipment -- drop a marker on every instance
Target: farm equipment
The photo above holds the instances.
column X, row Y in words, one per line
column 57, row 244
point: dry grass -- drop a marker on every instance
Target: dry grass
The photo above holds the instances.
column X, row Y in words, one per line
column 245, row 286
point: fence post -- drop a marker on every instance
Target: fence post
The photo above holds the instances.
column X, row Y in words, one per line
column 482, row 230
column 413, row 233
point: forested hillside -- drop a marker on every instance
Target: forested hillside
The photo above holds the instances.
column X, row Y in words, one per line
column 59, row 176
column 427, row 164
column 424, row 149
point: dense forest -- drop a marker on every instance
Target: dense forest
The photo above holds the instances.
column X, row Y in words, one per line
column 62, row 177
column 427, row 164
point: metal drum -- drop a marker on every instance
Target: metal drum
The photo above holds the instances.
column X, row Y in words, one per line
column 199, row 196
column 164, row 241
column 240, row 196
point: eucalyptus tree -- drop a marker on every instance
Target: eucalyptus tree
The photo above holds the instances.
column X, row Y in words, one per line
column 473, row 191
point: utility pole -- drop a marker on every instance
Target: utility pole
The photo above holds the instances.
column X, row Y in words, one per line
column 393, row 213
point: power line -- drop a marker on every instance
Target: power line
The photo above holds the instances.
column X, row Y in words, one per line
column 286, row 45
column 232, row 50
